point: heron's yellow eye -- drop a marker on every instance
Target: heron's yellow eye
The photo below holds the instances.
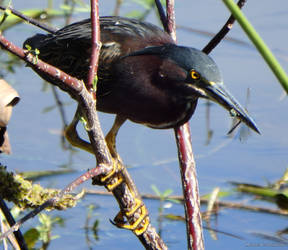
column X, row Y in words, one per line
column 194, row 74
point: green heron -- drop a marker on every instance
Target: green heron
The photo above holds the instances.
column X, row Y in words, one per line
column 143, row 75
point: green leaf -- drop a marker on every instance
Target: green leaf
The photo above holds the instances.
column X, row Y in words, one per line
column 8, row 12
column 58, row 220
column 83, row 121
column 174, row 200
column 54, row 237
column 256, row 190
column 221, row 194
column 95, row 80
column 167, row 192
column 156, row 190
column 31, row 237
column 45, row 220
column 174, row 217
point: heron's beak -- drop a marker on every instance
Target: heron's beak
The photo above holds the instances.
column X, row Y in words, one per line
column 218, row 93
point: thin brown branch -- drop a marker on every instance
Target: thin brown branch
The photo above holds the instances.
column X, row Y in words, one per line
column 186, row 158
column 98, row 170
column 223, row 32
column 29, row 19
column 66, row 82
column 96, row 45
column 162, row 15
column 171, row 24
column 187, row 163
column 8, row 216
column 190, row 187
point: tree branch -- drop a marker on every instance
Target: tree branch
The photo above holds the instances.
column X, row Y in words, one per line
column 186, row 160
column 124, row 193
column 171, row 23
column 183, row 140
column 223, row 31
column 18, row 235
column 29, row 19
column 95, row 46
column 162, row 15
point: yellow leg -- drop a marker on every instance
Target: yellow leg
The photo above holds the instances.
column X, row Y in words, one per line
column 111, row 136
column 73, row 137
column 140, row 225
column 117, row 162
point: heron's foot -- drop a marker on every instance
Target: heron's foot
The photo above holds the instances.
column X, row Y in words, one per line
column 138, row 226
column 114, row 178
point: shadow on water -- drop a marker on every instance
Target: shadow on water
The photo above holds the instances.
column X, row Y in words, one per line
column 37, row 142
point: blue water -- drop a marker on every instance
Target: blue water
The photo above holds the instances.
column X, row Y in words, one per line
column 151, row 153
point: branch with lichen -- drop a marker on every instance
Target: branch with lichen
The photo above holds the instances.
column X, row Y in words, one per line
column 24, row 194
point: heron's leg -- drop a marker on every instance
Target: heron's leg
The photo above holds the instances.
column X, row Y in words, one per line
column 140, row 225
column 72, row 136
column 111, row 136
column 111, row 144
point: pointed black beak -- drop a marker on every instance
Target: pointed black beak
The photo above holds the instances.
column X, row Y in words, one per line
column 218, row 93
